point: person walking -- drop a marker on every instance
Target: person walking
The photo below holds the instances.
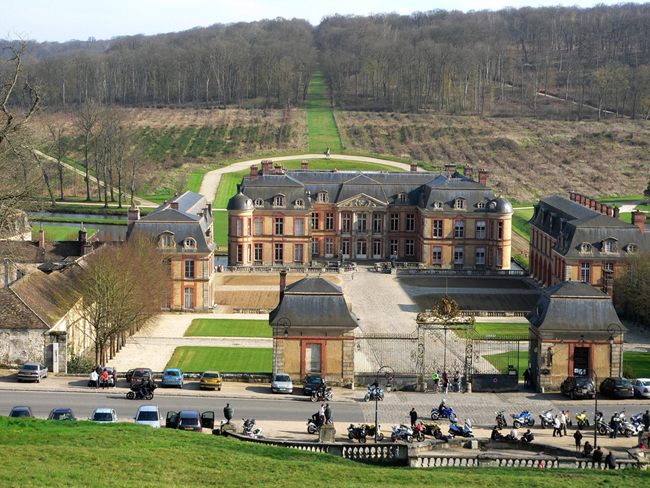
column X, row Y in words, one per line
column 557, row 426
column 445, row 382
column 104, row 379
column 527, row 378
column 436, row 380
column 610, row 461
column 563, row 416
column 578, row 438
column 457, row 380
column 414, row 417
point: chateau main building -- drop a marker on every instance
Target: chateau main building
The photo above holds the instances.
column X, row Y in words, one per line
column 293, row 217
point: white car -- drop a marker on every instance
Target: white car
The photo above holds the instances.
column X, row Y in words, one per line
column 282, row 383
column 641, row 387
column 148, row 415
column 104, row 416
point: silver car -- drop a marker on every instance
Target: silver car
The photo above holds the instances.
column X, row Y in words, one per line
column 641, row 387
column 104, row 416
column 32, row 372
column 282, row 383
column 148, row 415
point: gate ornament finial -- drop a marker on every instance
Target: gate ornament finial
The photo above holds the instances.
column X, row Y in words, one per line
column 445, row 310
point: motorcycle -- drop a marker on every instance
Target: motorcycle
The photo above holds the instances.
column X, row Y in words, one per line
column 418, row 431
column 546, row 418
column 251, row 430
column 455, row 430
column 402, row 433
column 445, row 413
column 314, row 425
column 322, row 396
column 374, row 394
column 567, row 418
column 524, row 418
column 602, row 426
column 582, row 419
column 358, row 433
column 501, row 418
column 371, row 429
column 138, row 392
column 432, row 429
column 627, row 428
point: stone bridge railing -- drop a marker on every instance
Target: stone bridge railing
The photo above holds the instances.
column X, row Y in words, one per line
column 434, row 460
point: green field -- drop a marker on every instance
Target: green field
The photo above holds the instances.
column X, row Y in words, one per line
column 59, row 233
column 520, row 222
column 503, row 360
column 481, row 329
column 229, row 328
column 638, row 362
column 124, row 455
column 323, row 132
column 226, row 359
column 84, row 220
column 221, row 230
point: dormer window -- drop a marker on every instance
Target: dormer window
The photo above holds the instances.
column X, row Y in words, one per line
column 610, row 246
column 585, row 247
column 323, row 197
column 300, row 202
column 401, row 198
column 278, row 201
column 480, row 205
column 189, row 243
column 437, row 205
column 259, row 202
column 459, row 203
column 632, row 248
column 166, row 240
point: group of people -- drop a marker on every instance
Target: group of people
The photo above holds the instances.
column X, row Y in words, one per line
column 445, row 381
column 597, row 455
column 559, row 424
column 100, row 377
column 512, row 436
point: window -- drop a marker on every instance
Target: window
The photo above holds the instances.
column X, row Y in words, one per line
column 632, row 248
column 459, row 204
column 480, row 205
column 329, row 247
column 394, row 222
column 259, row 226
column 314, row 247
column 329, row 221
column 609, row 267
column 240, row 227
column 610, row 246
column 410, row 222
column 376, row 223
column 258, row 252
column 491, row 230
column 376, row 247
column 458, row 255
column 322, row 197
column 437, row 205
column 189, row 268
column 436, row 257
column 240, row 254
column 585, row 247
column 279, row 253
column 189, row 243
column 300, row 202
column 499, row 257
column 345, row 223
column 298, row 254
column 300, row 227
column 278, row 201
column 361, row 222
column 410, row 247
column 585, row 272
column 259, row 202
column 279, row 226
column 500, row 229
column 437, row 228
column 314, row 221
column 345, row 247
column 480, row 229
column 393, row 247
column 248, row 254
column 166, row 240
column 459, row 229
column 401, row 198
column 480, row 256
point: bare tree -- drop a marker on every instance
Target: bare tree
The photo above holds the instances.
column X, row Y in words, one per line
column 60, row 146
column 86, row 120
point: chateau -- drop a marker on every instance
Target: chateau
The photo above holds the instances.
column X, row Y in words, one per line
column 443, row 219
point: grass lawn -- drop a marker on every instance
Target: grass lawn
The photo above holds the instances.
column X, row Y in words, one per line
column 221, row 228
column 59, row 233
column 229, row 328
column 323, row 132
column 68, row 454
column 481, row 329
column 638, row 362
column 225, row 359
column 520, row 222
column 84, row 220
column 196, row 177
column 503, row 360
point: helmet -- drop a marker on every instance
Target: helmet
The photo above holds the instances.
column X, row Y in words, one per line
column 444, row 401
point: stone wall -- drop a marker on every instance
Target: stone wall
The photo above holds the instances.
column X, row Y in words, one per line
column 20, row 346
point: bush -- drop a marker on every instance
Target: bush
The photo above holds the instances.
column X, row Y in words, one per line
column 80, row 364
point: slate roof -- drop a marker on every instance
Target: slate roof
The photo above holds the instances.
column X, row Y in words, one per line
column 313, row 302
column 29, row 252
column 574, row 308
column 14, row 314
column 423, row 188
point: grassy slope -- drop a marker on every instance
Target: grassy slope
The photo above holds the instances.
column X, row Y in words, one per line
column 520, row 222
column 504, row 359
column 229, row 359
column 221, row 229
column 639, row 362
column 82, row 454
column 229, row 328
column 59, row 233
column 323, row 132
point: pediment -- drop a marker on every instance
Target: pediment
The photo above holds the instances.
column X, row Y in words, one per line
column 362, row 200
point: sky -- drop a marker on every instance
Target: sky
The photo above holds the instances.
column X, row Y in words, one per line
column 64, row 20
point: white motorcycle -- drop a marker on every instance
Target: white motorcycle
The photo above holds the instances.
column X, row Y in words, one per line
column 402, row 433
column 546, row 418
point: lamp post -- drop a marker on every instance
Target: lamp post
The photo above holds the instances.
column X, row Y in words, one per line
column 444, row 363
column 381, row 368
column 595, row 407
column 286, row 323
column 611, row 328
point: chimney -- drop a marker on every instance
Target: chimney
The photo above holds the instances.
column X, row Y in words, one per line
column 572, row 196
column 254, row 172
column 278, row 169
column 469, row 171
column 482, row 176
column 265, row 169
column 41, row 238
column 617, row 212
column 609, row 210
column 587, row 202
column 209, row 209
column 283, row 283
column 414, row 166
column 451, row 167
column 304, row 164
column 638, row 219
column 174, row 205
column 83, row 236
column 133, row 213
column 603, row 208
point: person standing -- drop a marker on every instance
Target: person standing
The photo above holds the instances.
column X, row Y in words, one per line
column 646, row 420
column 578, row 438
column 114, row 377
column 563, row 421
column 457, row 380
column 104, row 379
column 527, row 378
column 436, row 380
column 94, row 379
column 557, row 426
column 610, row 461
column 445, row 382
column 613, row 423
column 321, row 415
column 414, row 417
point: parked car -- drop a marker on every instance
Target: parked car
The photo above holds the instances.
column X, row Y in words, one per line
column 32, row 372
column 190, row 420
column 311, row 384
column 138, row 374
column 112, row 377
column 18, row 412
column 211, row 379
column 61, row 414
column 148, row 415
column 104, row 416
column 578, row 387
column 172, row 377
column 282, row 383
column 617, row 388
column 641, row 387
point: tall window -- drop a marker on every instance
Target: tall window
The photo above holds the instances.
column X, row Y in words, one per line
column 401, row 198
column 410, row 247
column 258, row 252
column 460, row 203
column 278, row 201
column 298, row 254
column 480, row 229
column 393, row 247
column 458, row 255
column 279, row 253
column 410, row 222
column 500, row 229
column 189, row 269
column 329, row 221
column 499, row 257
column 279, row 226
column 345, row 223
column 329, row 247
column 585, row 272
column 166, row 240
column 394, row 222
column 240, row 254
column 322, row 197
column 609, row 246
column 376, row 247
column 437, row 228
column 376, row 223
column 459, row 229
column 314, row 247
column 259, row 226
column 314, row 221
column 491, row 229
column 240, row 227
column 361, row 222
column 300, row 227
column 345, row 247
column 436, row 257
column 480, row 256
